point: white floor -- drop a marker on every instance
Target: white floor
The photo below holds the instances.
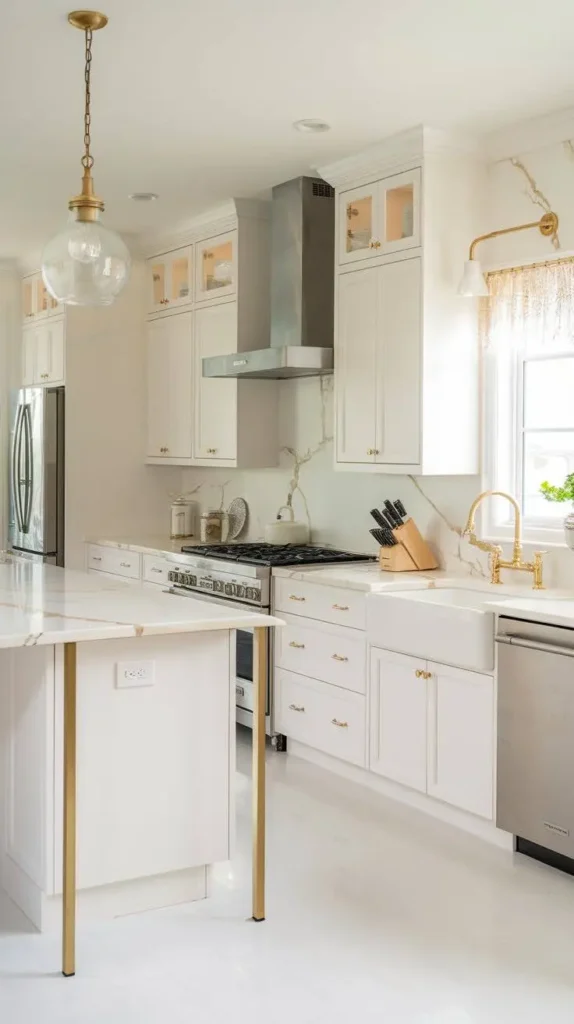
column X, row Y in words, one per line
column 375, row 913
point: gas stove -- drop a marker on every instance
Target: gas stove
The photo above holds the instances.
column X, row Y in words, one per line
column 242, row 572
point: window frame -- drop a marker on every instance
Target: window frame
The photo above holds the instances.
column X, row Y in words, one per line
column 509, row 477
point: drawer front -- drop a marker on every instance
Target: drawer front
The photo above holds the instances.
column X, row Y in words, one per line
column 322, row 651
column 156, row 568
column 114, row 560
column 314, row 601
column 321, row 716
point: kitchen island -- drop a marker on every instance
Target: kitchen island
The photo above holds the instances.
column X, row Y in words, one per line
column 150, row 733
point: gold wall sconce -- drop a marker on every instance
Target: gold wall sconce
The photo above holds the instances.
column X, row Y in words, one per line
column 473, row 283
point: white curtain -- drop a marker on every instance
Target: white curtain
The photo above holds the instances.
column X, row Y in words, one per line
column 530, row 308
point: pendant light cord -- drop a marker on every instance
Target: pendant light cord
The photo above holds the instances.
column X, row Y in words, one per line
column 87, row 159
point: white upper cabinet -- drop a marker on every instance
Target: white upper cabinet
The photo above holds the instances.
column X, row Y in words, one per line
column 215, row 434
column 37, row 303
column 170, row 281
column 222, row 277
column 216, row 268
column 377, row 365
column 170, row 387
column 406, row 347
column 43, row 353
column 380, row 218
column 355, row 366
column 461, row 738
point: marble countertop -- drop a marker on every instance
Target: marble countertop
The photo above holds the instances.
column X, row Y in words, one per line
column 365, row 576
column 147, row 545
column 42, row 604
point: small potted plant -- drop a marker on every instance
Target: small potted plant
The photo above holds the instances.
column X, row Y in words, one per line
column 565, row 492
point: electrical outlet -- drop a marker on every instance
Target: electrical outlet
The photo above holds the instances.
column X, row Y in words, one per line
column 135, row 673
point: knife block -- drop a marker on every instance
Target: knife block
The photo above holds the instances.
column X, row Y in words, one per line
column 410, row 552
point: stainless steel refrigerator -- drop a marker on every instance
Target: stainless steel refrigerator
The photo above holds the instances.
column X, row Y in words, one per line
column 37, row 474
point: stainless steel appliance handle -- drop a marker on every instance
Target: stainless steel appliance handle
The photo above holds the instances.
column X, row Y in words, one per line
column 16, row 451
column 29, row 464
column 533, row 645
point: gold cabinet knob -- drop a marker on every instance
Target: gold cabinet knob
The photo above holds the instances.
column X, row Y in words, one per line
column 427, row 675
column 419, row 673
column 339, row 657
column 340, row 725
column 293, row 643
column 296, row 707
column 212, row 451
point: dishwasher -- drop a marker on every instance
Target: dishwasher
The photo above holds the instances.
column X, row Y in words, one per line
column 535, row 764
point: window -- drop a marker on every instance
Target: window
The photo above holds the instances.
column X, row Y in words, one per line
column 528, row 337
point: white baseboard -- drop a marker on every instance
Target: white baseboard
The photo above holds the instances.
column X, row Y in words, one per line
column 107, row 901
column 478, row 827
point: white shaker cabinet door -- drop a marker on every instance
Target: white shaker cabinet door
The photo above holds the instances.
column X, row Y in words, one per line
column 461, row 738
column 355, row 364
column 398, row 363
column 170, row 386
column 398, row 715
column 50, row 352
column 215, row 435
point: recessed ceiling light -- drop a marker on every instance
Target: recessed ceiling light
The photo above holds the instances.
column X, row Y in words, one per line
column 143, row 197
column 311, row 124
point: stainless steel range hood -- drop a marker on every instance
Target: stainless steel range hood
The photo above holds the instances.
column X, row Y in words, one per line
column 302, row 288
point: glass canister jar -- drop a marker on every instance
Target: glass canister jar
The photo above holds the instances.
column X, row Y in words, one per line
column 214, row 527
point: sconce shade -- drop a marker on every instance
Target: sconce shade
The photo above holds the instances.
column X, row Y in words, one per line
column 473, row 283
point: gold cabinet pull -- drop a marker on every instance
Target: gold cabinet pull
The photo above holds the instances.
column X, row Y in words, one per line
column 296, row 707
column 427, row 675
column 340, row 725
column 96, row 558
column 421, row 674
column 293, row 643
column 211, row 451
column 125, row 565
column 164, row 450
column 294, row 597
column 153, row 569
column 339, row 657
column 340, row 607
column 374, row 244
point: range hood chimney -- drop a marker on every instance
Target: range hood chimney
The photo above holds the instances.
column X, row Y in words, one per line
column 302, row 288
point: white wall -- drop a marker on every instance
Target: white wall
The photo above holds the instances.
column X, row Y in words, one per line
column 109, row 489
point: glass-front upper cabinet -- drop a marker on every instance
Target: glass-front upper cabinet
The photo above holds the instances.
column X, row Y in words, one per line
column 380, row 218
column 216, row 267
column 400, row 208
column 170, row 279
column 35, row 298
column 358, row 220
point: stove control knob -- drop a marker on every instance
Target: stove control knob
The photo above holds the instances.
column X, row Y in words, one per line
column 252, row 593
column 239, row 590
column 229, row 590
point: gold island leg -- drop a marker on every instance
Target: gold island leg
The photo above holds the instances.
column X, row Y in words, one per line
column 69, row 876
column 260, row 667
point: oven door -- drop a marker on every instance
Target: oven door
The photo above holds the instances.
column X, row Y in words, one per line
column 244, row 652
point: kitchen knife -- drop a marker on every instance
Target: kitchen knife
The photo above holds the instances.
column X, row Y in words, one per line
column 384, row 538
column 390, row 524
column 392, row 514
column 379, row 519
column 400, row 508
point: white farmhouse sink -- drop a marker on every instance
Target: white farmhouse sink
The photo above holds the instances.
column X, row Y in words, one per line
column 452, row 626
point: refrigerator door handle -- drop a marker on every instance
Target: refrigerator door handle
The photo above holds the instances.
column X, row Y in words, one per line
column 16, row 478
column 29, row 468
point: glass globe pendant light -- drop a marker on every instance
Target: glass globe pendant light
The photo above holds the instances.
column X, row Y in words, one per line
column 86, row 264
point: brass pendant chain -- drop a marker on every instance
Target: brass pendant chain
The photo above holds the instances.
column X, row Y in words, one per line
column 87, row 159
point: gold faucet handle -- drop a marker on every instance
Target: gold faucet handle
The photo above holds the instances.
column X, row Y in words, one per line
column 538, row 569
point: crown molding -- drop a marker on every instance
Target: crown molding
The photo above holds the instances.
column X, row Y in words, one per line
column 534, row 133
column 211, row 222
column 395, row 153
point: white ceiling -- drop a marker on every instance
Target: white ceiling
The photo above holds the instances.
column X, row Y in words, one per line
column 195, row 100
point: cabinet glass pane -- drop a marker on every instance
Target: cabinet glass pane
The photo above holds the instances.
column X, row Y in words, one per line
column 180, row 278
column 399, row 218
column 158, row 283
column 217, row 270
column 43, row 296
column 359, row 224
column 27, row 300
